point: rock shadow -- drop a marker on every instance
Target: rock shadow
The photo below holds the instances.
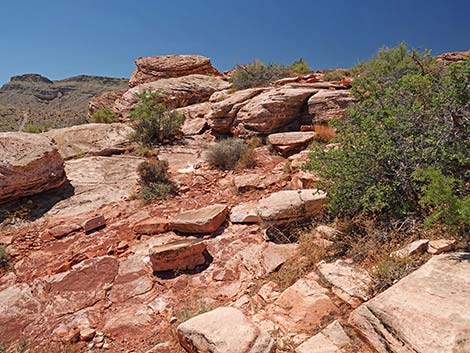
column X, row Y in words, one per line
column 171, row 274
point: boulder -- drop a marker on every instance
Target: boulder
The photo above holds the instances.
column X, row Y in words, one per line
column 303, row 305
column 439, row 246
column 98, row 181
column 291, row 204
column 329, row 104
column 286, row 142
column 179, row 255
column 271, row 110
column 153, row 68
column 332, row 339
column 413, row 248
column 223, row 111
column 94, row 223
column 425, row 312
column 174, row 92
column 244, row 213
column 152, row 225
column 350, row 283
column 200, row 221
column 224, row 330
column 103, row 101
column 29, row 164
column 91, row 139
column 195, row 118
column 452, row 57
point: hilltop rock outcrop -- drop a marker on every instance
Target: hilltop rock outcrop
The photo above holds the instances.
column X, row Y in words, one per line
column 452, row 57
column 29, row 164
column 90, row 139
column 153, row 68
column 175, row 92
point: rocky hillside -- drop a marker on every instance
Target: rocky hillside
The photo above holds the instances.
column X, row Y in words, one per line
column 219, row 266
column 35, row 100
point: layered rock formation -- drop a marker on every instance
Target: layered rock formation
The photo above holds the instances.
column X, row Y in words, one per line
column 29, row 164
column 153, row 68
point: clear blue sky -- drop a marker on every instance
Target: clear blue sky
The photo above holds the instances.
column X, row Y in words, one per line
column 61, row 38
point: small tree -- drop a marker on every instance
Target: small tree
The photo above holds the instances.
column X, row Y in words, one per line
column 299, row 67
column 155, row 124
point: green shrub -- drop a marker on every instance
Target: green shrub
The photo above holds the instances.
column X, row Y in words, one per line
column 257, row 74
column 4, row 258
column 106, row 116
column 35, row 128
column 443, row 196
column 333, row 75
column 230, row 154
column 155, row 124
column 155, row 181
column 411, row 113
column 299, row 67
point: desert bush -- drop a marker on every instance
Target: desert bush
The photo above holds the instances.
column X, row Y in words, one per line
column 106, row 116
column 154, row 123
column 230, row 154
column 4, row 258
column 193, row 307
column 411, row 113
column 443, row 197
column 333, row 75
column 155, row 181
column 324, row 133
column 257, row 74
column 35, row 128
column 299, row 67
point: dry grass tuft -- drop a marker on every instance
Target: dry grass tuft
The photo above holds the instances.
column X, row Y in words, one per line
column 324, row 133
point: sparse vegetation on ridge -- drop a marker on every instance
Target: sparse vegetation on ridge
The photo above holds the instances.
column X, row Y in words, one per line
column 106, row 116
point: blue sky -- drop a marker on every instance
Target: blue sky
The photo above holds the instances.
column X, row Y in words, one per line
column 62, row 38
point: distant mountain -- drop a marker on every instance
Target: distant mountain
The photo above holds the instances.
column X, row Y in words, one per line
column 33, row 99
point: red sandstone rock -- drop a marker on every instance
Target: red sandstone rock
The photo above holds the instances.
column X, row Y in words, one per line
column 152, row 225
column 153, row 68
column 453, row 57
column 179, row 255
column 329, row 104
column 29, row 164
column 103, row 101
column 61, row 231
column 94, row 223
column 287, row 142
column 203, row 220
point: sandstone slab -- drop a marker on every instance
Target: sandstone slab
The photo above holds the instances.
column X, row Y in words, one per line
column 291, row 204
column 426, row 312
column 179, row 255
column 224, row 330
column 329, row 104
column 245, row 213
column 29, row 164
column 271, row 110
column 332, row 339
column 199, row 221
column 153, row 225
column 440, row 246
column 153, row 68
column 98, row 181
column 413, row 248
column 91, row 139
column 286, row 142
column 349, row 283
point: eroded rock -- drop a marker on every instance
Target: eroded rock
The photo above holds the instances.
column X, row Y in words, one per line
column 286, row 142
column 203, row 220
column 91, row 139
column 329, row 104
column 179, row 255
column 29, row 164
column 427, row 311
column 224, row 330
column 153, row 68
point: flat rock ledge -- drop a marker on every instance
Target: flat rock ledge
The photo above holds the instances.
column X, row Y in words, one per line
column 224, row 330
